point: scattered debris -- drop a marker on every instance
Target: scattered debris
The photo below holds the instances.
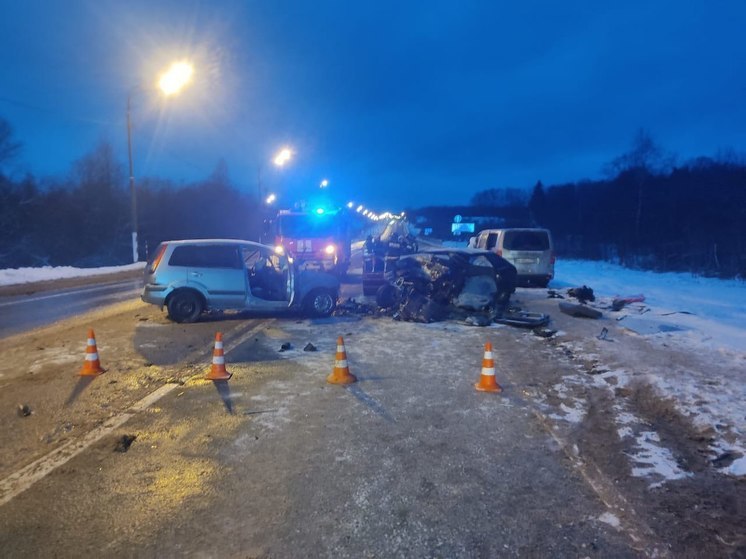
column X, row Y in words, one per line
column 552, row 294
column 544, row 332
column 619, row 302
column 124, row 443
column 582, row 294
column 574, row 309
column 523, row 319
column 286, row 346
column 24, row 410
column 604, row 335
column 478, row 320
column 257, row 412
column 726, row 459
column 351, row 306
column 310, row 347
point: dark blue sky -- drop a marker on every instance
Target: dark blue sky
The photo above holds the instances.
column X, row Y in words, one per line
column 396, row 103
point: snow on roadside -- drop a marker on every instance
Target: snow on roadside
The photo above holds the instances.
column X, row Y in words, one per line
column 14, row 276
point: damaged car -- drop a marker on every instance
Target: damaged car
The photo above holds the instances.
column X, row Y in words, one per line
column 445, row 283
column 190, row 277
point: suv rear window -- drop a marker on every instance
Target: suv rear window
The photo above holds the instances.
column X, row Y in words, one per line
column 209, row 256
column 526, row 240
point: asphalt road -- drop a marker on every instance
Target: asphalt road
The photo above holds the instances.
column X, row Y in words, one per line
column 20, row 313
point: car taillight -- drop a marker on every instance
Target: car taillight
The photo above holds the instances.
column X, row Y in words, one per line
column 157, row 258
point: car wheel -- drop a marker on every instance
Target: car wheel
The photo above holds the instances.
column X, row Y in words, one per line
column 386, row 296
column 320, row 302
column 184, row 306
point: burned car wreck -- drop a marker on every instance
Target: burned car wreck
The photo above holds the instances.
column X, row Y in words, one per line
column 467, row 284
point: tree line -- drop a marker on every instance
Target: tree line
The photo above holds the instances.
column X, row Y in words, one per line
column 651, row 213
column 83, row 220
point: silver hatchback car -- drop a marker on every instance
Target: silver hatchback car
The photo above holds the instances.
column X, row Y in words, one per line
column 191, row 276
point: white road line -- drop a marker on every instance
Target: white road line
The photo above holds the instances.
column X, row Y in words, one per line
column 24, row 478
column 18, row 482
column 64, row 294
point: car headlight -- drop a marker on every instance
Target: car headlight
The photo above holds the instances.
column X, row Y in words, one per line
column 279, row 250
column 330, row 249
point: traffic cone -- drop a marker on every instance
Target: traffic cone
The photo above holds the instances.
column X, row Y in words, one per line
column 91, row 365
column 341, row 372
column 217, row 371
column 487, row 382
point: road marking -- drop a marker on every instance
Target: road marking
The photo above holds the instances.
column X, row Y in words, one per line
column 66, row 293
column 18, row 482
column 24, row 478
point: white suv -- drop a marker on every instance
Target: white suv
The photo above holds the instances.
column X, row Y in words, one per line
column 531, row 251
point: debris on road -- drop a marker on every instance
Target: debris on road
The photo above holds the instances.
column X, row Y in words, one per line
column 582, row 294
column 579, row 310
column 604, row 335
column 124, row 443
column 24, row 410
column 553, row 294
column 544, row 332
column 310, row 347
column 287, row 346
column 620, row 302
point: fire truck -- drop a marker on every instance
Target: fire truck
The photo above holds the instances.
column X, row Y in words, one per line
column 316, row 239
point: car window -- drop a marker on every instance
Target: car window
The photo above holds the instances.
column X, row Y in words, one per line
column 526, row 240
column 491, row 240
column 208, row 256
column 481, row 260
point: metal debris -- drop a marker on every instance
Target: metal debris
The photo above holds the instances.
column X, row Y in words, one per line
column 124, row 443
column 310, row 347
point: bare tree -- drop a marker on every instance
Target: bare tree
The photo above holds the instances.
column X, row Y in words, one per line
column 644, row 159
column 9, row 148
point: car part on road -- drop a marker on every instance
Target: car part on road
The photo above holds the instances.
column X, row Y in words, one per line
column 523, row 319
column 619, row 302
column 579, row 310
column 320, row 302
column 582, row 294
column 124, row 442
column 24, row 410
column 310, row 347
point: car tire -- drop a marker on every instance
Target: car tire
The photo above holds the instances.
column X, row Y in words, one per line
column 320, row 303
column 387, row 296
column 184, row 306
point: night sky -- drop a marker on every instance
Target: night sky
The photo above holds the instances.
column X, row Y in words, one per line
column 395, row 103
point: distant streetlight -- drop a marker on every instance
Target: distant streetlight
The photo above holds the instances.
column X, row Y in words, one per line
column 282, row 157
column 270, row 199
column 324, row 184
column 171, row 82
column 350, row 204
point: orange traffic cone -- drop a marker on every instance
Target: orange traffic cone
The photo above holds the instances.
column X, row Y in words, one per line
column 217, row 371
column 91, row 365
column 487, row 382
column 341, row 372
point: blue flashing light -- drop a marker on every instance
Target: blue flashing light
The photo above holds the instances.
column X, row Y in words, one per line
column 320, row 211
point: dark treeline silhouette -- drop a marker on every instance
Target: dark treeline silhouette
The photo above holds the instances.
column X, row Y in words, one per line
column 84, row 219
column 692, row 218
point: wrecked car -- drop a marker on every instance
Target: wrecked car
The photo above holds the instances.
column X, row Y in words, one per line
column 192, row 276
column 380, row 253
column 444, row 283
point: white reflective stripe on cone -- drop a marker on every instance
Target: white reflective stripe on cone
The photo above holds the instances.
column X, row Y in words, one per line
column 218, row 345
column 218, row 360
column 91, row 356
column 341, row 363
column 490, row 372
column 488, row 355
column 91, row 341
column 340, row 349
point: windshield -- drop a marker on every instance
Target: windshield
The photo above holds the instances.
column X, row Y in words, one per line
column 298, row 226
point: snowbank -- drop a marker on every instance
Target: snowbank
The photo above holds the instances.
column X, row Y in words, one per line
column 14, row 276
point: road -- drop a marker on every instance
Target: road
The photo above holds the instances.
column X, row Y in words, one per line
column 411, row 461
column 20, row 313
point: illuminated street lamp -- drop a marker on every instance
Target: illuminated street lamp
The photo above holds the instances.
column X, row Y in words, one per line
column 282, row 157
column 324, row 184
column 171, row 82
column 270, row 199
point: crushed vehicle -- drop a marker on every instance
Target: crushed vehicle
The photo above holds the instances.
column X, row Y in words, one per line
column 189, row 277
column 441, row 283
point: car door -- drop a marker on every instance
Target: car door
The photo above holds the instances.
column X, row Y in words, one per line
column 218, row 271
column 270, row 278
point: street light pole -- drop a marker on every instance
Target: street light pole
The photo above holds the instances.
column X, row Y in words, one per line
column 133, row 193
